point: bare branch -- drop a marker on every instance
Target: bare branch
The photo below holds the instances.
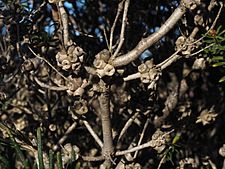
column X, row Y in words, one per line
column 48, row 63
column 150, row 40
column 61, row 88
column 99, row 158
column 108, row 148
column 64, row 137
column 120, row 7
column 94, row 135
column 64, row 21
column 140, row 147
column 126, row 5
column 127, row 125
column 141, row 137
column 132, row 76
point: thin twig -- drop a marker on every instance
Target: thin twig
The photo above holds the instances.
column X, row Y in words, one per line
column 212, row 26
column 126, row 5
column 64, row 21
column 61, row 88
column 120, row 7
column 128, row 124
column 199, row 51
column 64, row 137
column 141, row 137
column 92, row 132
column 132, row 76
column 161, row 162
column 150, row 40
column 140, row 147
column 48, row 64
column 99, row 158
column 106, row 38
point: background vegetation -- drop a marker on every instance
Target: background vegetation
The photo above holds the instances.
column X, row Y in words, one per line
column 112, row 84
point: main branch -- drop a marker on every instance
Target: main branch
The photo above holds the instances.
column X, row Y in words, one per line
column 108, row 149
column 150, row 40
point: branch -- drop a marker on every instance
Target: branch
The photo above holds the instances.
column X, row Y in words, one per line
column 128, row 124
column 94, row 135
column 64, row 137
column 126, row 5
column 56, row 88
column 39, row 57
column 150, row 40
column 120, row 7
column 108, row 149
column 141, row 137
column 64, row 21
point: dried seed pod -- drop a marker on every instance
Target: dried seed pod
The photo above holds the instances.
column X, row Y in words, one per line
column 180, row 42
column 52, row 127
column 80, row 107
column 190, row 4
column 70, row 49
column 198, row 20
column 145, row 78
column 73, row 58
column 199, row 63
column 100, row 73
column 103, row 55
column 206, row 117
column 99, row 64
column 78, row 51
column 76, row 66
column 149, row 63
column 2, row 96
column 153, row 74
column 27, row 65
column 109, row 70
column 222, row 151
column 60, row 56
column 66, row 64
column 142, row 68
column 74, row 83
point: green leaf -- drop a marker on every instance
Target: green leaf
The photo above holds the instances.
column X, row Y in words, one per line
column 51, row 160
column 221, row 33
column 217, row 58
column 59, row 160
column 40, row 152
column 218, row 64
column 222, row 79
column 4, row 161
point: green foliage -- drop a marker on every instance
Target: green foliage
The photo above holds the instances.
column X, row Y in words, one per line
column 17, row 142
column 40, row 152
column 59, row 161
column 216, row 52
column 172, row 149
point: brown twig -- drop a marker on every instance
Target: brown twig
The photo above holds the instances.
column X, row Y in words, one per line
column 108, row 148
column 141, row 137
column 99, row 158
column 126, row 5
column 150, row 40
column 120, row 7
column 92, row 132
column 64, row 137
column 64, row 21
column 48, row 64
column 128, row 124
column 61, row 88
